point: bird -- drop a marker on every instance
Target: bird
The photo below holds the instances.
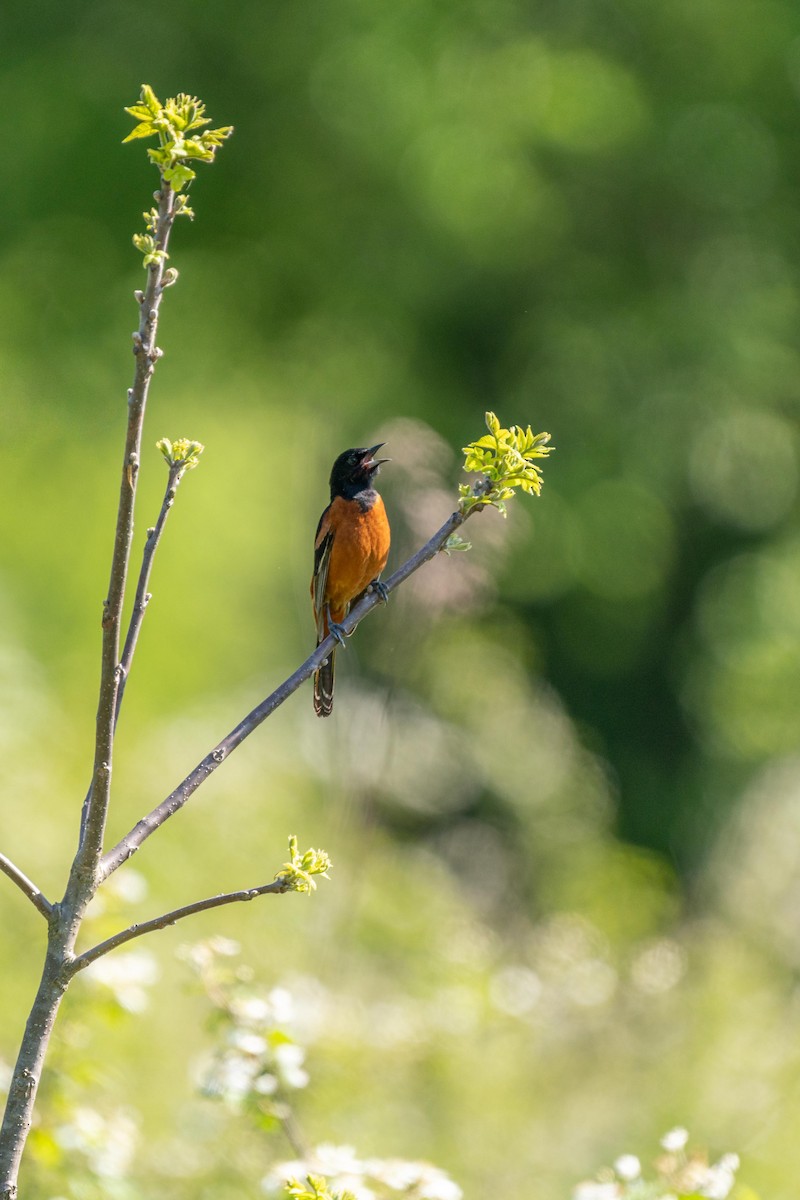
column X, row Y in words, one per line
column 351, row 547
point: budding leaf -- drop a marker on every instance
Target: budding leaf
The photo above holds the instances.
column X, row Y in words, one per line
column 174, row 124
column 456, row 542
column 182, row 453
column 315, row 1188
column 504, row 460
column 298, row 874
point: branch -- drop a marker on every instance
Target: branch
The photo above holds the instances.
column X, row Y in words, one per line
column 128, row 845
column 25, row 885
column 93, row 817
column 277, row 887
column 142, row 598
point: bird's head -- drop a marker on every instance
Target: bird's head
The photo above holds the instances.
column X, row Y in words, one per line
column 354, row 470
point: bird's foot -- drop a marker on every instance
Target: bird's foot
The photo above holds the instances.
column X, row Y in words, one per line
column 381, row 590
column 337, row 631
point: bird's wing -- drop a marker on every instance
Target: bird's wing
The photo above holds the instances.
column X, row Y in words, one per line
column 323, row 544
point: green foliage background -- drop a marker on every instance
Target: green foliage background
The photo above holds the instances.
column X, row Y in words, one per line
column 560, row 785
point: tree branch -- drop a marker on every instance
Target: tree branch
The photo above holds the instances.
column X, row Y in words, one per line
column 277, row 887
column 142, row 598
column 95, row 808
column 128, row 845
column 25, row 885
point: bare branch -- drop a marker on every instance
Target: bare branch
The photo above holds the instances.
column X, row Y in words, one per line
column 142, row 598
column 30, row 889
column 128, row 845
column 147, row 354
column 278, row 887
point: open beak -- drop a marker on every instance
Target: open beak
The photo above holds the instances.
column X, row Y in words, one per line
column 369, row 462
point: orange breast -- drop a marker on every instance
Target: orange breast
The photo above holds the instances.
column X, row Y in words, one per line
column 359, row 552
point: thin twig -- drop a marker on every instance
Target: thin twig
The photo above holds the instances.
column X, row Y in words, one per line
column 93, row 817
column 129, row 844
column 37, row 899
column 142, row 598
column 276, row 888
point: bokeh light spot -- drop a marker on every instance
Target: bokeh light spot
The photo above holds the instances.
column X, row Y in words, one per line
column 627, row 540
column 743, row 468
column 595, row 105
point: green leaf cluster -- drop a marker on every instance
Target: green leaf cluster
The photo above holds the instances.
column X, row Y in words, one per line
column 151, row 254
column 173, row 124
column 315, row 1188
column 182, row 453
column 456, row 542
column 298, row 874
column 505, row 461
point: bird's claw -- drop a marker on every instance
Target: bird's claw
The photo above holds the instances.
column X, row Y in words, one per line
column 381, row 590
column 337, row 631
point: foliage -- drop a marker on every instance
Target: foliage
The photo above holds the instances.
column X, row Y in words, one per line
column 505, row 460
column 456, row 543
column 298, row 873
column 182, row 454
column 146, row 242
column 172, row 123
column 318, row 1189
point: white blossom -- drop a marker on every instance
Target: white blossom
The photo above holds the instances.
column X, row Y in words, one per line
column 225, row 947
column 281, row 1002
column 266, row 1085
column 339, row 1164
column 435, row 1184
column 343, row 1169
column 675, row 1139
column 628, row 1167
column 591, row 1190
column 247, row 1042
column 253, row 1011
column 336, row 1160
column 289, row 1059
column 719, row 1179
column 730, row 1162
column 231, row 1078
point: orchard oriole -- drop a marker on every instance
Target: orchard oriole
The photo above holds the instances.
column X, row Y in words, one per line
column 350, row 551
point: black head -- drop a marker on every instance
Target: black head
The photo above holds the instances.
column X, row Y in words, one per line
column 354, row 471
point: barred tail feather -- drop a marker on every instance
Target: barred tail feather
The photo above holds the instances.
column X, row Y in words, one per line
column 323, row 687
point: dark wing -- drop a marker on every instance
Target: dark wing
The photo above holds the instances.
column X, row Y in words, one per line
column 323, row 544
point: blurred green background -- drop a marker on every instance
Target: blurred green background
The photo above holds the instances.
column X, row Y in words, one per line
column 561, row 787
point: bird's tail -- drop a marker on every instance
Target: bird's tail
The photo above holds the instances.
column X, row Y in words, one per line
column 323, row 687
